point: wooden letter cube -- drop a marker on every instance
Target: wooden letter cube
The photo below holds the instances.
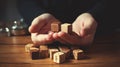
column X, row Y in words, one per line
column 43, row 47
column 78, row 54
column 44, row 51
column 55, row 26
column 27, row 47
column 59, row 57
column 65, row 50
column 67, row 28
column 52, row 51
column 34, row 52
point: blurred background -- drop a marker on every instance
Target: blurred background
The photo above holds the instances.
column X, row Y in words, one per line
column 11, row 22
column 8, row 11
column 10, row 16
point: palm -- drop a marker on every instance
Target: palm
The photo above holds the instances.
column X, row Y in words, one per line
column 84, row 29
column 40, row 27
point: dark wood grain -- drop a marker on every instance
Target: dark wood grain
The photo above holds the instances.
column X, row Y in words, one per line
column 104, row 52
column 15, row 40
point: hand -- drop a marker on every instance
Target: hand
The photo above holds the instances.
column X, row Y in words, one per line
column 40, row 27
column 84, row 28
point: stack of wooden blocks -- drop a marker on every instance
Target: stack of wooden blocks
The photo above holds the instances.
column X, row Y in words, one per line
column 59, row 54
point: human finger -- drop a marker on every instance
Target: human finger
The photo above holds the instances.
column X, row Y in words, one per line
column 39, row 22
column 40, row 38
column 58, row 38
column 71, row 39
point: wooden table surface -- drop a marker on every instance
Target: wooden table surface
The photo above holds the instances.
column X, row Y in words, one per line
column 104, row 52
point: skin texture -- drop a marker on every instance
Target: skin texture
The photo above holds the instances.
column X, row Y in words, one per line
column 84, row 28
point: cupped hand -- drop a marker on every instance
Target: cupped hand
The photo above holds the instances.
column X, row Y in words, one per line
column 84, row 28
column 40, row 27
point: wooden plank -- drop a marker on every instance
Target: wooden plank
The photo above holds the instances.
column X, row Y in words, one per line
column 62, row 65
column 15, row 40
column 102, row 54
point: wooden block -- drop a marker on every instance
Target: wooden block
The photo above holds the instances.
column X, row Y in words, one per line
column 74, row 47
column 55, row 26
column 67, row 28
column 52, row 51
column 43, row 47
column 44, row 51
column 44, row 54
column 59, row 57
column 28, row 46
column 65, row 50
column 78, row 54
column 34, row 52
